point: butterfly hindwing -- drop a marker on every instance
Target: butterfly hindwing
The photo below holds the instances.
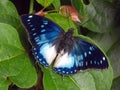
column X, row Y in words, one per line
column 65, row 63
column 45, row 53
column 89, row 56
column 42, row 33
column 83, row 55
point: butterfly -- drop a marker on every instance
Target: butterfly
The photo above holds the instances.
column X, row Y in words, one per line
column 51, row 44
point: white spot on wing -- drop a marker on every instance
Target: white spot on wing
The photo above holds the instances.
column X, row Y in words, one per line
column 66, row 72
column 34, row 34
column 103, row 58
column 28, row 20
column 89, row 52
column 63, row 71
column 31, row 25
column 86, row 63
column 101, row 61
column 43, row 30
column 37, row 57
column 94, row 62
column 45, row 22
column 59, row 69
column 42, row 26
column 34, row 48
column 43, row 62
column 64, row 60
column 98, row 63
column 75, row 70
column 35, row 52
column 33, row 29
column 49, row 52
column 40, row 59
column 30, row 16
column 85, row 54
column 90, row 61
column 91, row 48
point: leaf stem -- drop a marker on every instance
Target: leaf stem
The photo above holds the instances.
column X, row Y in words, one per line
column 31, row 6
column 52, row 11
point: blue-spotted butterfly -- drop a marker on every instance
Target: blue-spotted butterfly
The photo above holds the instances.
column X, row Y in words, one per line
column 51, row 44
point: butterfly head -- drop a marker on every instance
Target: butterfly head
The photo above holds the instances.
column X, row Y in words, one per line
column 69, row 34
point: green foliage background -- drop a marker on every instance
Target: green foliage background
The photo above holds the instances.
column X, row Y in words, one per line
column 17, row 69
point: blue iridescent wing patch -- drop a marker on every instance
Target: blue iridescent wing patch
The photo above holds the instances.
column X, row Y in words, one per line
column 42, row 33
column 83, row 55
column 70, row 54
column 66, row 63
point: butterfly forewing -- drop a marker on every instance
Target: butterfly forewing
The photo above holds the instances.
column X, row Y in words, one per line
column 42, row 34
column 40, row 29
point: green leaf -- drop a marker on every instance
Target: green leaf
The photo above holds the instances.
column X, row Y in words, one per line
column 14, row 62
column 56, row 4
column 99, row 15
column 8, row 8
column 9, row 48
column 88, row 80
column 25, row 79
column 9, row 15
column 65, row 23
column 53, row 81
column 3, row 83
column 5, row 18
column 94, row 80
column 114, row 55
column 106, row 40
column 45, row 3
column 116, row 84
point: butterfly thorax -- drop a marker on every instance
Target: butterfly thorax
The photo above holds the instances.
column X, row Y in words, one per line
column 65, row 41
column 69, row 34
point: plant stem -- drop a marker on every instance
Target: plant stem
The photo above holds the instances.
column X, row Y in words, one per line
column 31, row 6
column 52, row 11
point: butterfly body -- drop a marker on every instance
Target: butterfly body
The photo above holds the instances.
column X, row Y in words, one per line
column 51, row 44
column 65, row 41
